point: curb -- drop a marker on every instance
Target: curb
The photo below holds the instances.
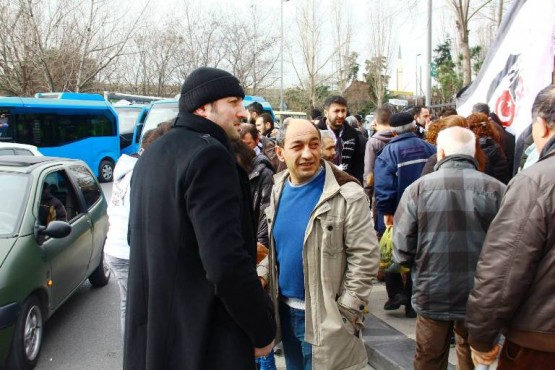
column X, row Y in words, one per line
column 388, row 348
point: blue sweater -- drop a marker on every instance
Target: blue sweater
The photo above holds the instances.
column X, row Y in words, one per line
column 295, row 207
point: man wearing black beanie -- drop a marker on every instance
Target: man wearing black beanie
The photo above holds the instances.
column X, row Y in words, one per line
column 194, row 298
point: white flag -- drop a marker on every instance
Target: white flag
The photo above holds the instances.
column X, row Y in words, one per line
column 518, row 65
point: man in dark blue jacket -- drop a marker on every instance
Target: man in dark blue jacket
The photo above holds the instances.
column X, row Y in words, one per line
column 194, row 298
column 398, row 165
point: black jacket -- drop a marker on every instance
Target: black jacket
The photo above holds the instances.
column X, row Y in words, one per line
column 194, row 298
column 497, row 165
column 352, row 156
column 261, row 180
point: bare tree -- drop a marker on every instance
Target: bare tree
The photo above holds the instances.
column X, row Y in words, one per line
column 202, row 42
column 251, row 50
column 64, row 45
column 104, row 38
column 315, row 59
column 343, row 33
column 463, row 14
column 380, row 50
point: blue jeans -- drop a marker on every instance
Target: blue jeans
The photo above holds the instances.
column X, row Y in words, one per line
column 297, row 352
column 267, row 363
column 120, row 268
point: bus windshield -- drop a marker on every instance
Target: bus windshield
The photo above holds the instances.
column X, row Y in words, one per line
column 159, row 113
column 128, row 119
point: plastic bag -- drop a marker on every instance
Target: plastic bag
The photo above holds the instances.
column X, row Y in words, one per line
column 386, row 248
column 386, row 253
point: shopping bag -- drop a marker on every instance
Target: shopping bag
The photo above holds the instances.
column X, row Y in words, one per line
column 386, row 253
column 386, row 248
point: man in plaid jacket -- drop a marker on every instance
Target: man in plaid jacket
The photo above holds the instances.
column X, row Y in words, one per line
column 440, row 225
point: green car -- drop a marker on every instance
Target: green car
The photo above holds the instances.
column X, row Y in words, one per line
column 53, row 224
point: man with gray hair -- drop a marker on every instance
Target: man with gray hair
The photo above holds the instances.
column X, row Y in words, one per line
column 440, row 225
column 328, row 145
column 399, row 164
column 514, row 289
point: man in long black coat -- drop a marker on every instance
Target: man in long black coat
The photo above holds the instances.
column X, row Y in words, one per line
column 194, row 299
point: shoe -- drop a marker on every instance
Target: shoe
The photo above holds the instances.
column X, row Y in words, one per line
column 410, row 312
column 395, row 302
column 278, row 349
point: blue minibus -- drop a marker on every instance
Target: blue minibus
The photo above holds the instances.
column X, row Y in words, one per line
column 70, row 125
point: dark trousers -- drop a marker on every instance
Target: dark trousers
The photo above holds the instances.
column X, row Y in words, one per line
column 432, row 344
column 394, row 284
column 515, row 357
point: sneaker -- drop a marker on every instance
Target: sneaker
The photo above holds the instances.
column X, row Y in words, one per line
column 395, row 302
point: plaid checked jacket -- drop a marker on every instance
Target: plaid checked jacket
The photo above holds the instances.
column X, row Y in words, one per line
column 440, row 225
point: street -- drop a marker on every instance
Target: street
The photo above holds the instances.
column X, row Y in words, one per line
column 85, row 332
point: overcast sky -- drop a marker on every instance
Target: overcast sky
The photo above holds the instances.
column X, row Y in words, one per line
column 408, row 30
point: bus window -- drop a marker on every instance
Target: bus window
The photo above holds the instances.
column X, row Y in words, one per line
column 46, row 130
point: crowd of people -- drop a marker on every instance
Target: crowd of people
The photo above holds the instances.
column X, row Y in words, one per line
column 230, row 238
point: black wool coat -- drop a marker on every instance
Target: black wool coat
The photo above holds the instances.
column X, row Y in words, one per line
column 194, row 299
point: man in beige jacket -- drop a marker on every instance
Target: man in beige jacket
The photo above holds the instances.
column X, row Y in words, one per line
column 323, row 256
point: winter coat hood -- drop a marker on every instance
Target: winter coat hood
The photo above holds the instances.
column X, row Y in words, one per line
column 126, row 163
column 383, row 135
column 258, row 164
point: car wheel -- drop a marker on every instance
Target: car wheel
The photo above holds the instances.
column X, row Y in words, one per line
column 100, row 275
column 106, row 171
column 27, row 338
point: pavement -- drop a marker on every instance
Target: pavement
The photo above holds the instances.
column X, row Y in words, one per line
column 389, row 336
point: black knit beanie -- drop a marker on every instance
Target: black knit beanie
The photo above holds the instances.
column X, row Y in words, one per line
column 205, row 85
column 400, row 119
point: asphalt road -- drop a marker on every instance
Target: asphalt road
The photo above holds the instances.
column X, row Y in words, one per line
column 85, row 332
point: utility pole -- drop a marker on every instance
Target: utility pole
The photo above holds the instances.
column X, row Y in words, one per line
column 416, row 79
column 281, row 105
column 429, row 57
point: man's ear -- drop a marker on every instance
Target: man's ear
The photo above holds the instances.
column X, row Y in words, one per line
column 279, row 153
column 268, row 126
column 202, row 110
column 544, row 126
column 440, row 154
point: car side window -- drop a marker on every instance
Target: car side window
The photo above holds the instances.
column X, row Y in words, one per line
column 23, row 152
column 7, row 151
column 58, row 199
column 89, row 187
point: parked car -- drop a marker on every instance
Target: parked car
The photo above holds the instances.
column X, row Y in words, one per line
column 18, row 149
column 53, row 225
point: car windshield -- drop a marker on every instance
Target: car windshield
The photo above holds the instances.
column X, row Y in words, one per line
column 13, row 195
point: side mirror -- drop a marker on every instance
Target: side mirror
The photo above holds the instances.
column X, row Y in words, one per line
column 55, row 229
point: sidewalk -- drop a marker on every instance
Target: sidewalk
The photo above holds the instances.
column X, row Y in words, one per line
column 389, row 335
